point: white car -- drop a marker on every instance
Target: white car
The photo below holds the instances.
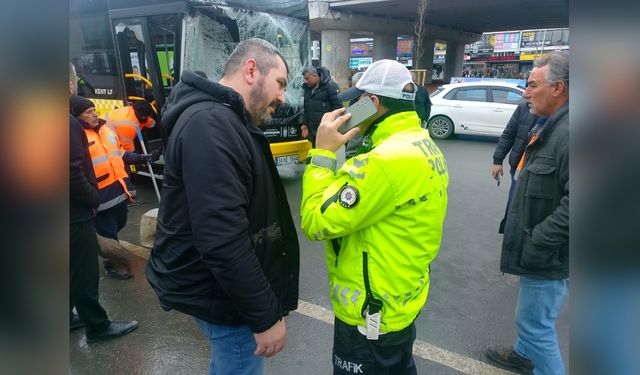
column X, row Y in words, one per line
column 482, row 108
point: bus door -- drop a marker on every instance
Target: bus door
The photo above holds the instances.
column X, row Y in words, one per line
column 146, row 49
column 132, row 41
column 164, row 32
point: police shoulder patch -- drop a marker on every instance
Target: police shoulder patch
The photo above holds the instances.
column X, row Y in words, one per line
column 348, row 196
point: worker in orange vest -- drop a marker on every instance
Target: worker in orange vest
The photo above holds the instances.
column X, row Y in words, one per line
column 125, row 120
column 108, row 157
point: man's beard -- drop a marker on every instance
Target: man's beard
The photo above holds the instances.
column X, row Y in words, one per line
column 260, row 113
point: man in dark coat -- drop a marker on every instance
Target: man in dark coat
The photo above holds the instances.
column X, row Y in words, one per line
column 226, row 249
column 83, row 251
column 320, row 97
column 423, row 105
column 536, row 236
column 422, row 102
column 514, row 138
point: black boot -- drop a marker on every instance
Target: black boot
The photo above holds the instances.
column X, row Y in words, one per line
column 113, row 330
column 114, row 272
column 509, row 359
column 75, row 323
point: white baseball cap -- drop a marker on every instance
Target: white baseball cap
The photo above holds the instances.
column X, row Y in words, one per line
column 385, row 78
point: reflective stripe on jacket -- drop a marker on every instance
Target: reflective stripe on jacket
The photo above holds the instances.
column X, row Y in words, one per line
column 106, row 156
column 390, row 203
column 124, row 122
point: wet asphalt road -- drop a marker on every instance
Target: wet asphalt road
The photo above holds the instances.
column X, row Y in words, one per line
column 470, row 306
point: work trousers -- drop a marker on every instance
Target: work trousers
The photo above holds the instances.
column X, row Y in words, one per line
column 83, row 266
column 111, row 221
column 391, row 354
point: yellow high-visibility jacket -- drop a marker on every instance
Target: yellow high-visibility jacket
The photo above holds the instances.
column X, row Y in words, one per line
column 390, row 203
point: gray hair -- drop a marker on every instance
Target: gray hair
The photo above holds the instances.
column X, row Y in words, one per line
column 310, row 70
column 558, row 66
column 356, row 77
column 259, row 49
column 72, row 72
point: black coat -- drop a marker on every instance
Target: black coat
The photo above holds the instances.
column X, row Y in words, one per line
column 515, row 136
column 83, row 188
column 536, row 236
column 423, row 104
column 226, row 248
column 324, row 99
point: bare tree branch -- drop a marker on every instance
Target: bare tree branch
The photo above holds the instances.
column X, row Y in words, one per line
column 420, row 30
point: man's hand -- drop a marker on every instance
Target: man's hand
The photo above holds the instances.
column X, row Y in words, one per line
column 495, row 170
column 271, row 341
column 143, row 159
column 305, row 130
column 155, row 155
column 328, row 137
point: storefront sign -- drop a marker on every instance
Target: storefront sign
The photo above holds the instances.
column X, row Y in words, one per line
column 528, row 39
column 530, row 56
column 497, row 58
column 508, row 41
column 360, row 62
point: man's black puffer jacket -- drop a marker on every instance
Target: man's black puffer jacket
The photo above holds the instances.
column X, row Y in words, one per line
column 324, row 99
column 226, row 248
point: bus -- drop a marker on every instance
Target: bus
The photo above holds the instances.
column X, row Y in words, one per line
column 128, row 50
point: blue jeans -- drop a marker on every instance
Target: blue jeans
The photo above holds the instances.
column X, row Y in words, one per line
column 232, row 349
column 539, row 303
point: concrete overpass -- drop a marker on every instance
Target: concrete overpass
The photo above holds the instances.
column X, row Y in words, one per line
column 455, row 22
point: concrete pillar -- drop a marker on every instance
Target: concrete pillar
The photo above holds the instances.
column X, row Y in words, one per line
column 148, row 228
column 336, row 51
column 385, row 46
column 315, row 37
column 454, row 60
column 426, row 61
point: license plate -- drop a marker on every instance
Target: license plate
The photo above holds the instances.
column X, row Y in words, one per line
column 284, row 160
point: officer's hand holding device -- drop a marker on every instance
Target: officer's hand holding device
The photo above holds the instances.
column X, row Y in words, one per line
column 336, row 128
column 361, row 111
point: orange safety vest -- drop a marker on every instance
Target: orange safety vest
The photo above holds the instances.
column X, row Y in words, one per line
column 106, row 156
column 124, row 122
column 533, row 140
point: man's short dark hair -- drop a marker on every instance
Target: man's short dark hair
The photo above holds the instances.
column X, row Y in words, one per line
column 259, row 49
column 310, row 70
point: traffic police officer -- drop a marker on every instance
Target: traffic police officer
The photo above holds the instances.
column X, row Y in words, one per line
column 381, row 217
